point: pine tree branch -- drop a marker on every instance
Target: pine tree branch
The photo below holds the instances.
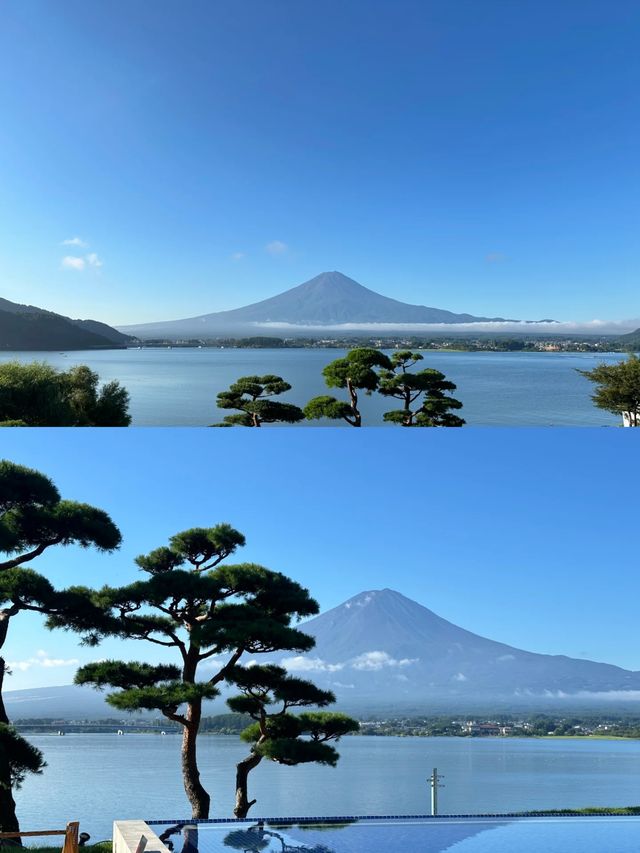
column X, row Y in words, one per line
column 30, row 555
column 233, row 660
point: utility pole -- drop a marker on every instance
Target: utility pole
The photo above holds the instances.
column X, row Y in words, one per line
column 434, row 781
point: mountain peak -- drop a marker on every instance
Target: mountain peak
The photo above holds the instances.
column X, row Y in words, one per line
column 330, row 299
column 382, row 643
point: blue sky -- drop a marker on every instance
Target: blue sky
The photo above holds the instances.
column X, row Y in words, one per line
column 473, row 156
column 524, row 536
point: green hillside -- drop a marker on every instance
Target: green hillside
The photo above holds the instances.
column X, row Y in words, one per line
column 46, row 332
column 25, row 327
column 631, row 341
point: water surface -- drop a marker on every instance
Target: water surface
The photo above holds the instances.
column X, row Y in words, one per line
column 97, row 778
column 178, row 387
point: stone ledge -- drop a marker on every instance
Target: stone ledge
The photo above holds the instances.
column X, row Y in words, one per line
column 127, row 835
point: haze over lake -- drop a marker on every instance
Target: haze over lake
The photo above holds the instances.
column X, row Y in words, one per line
column 178, row 387
column 102, row 777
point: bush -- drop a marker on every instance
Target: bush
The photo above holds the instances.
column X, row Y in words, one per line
column 36, row 394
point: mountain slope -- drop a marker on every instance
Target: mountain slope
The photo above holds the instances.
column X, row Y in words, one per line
column 329, row 299
column 26, row 327
column 381, row 651
column 383, row 644
column 631, row 341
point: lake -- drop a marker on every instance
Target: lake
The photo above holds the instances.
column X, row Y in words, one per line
column 178, row 387
column 97, row 778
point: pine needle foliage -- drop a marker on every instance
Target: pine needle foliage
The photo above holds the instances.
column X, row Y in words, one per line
column 34, row 518
column 267, row 694
column 251, row 396
column 423, row 394
column 354, row 372
column 198, row 610
column 618, row 388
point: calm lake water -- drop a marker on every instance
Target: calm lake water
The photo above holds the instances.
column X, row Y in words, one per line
column 99, row 778
column 178, row 387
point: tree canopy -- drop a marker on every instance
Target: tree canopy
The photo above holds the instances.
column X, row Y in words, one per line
column 267, row 693
column 34, row 518
column 251, row 396
column 423, row 394
column 36, row 394
column 618, row 388
column 200, row 610
column 356, row 372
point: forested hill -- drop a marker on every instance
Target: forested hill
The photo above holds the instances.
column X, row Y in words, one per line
column 631, row 341
column 25, row 327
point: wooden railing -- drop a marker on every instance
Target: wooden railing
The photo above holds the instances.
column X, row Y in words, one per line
column 70, row 844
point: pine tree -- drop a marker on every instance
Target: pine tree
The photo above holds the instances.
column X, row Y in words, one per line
column 267, row 693
column 251, row 396
column 425, row 402
column 618, row 388
column 201, row 611
column 34, row 518
column 355, row 372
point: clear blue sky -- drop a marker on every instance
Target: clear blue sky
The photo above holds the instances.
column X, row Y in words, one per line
column 476, row 156
column 527, row 537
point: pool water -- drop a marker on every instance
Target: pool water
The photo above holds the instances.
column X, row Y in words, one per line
column 588, row 834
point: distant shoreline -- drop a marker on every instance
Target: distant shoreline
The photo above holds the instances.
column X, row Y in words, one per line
column 176, row 733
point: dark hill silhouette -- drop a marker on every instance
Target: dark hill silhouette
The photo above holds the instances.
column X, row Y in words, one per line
column 329, row 299
column 631, row 340
column 26, row 327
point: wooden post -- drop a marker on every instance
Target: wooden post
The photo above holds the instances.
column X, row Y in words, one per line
column 71, row 838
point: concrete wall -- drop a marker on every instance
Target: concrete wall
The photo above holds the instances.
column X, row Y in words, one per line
column 127, row 835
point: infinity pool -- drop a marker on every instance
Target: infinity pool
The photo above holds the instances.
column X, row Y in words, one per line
column 592, row 834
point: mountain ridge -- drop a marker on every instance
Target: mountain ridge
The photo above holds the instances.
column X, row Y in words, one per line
column 380, row 650
column 383, row 640
column 27, row 327
column 329, row 299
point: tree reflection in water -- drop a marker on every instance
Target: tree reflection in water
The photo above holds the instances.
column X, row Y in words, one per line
column 257, row 838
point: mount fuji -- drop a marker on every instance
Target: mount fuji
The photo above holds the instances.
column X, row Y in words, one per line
column 382, row 647
column 329, row 300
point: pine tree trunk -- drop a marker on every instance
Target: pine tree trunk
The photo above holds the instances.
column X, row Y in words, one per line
column 3, row 712
column 196, row 794
column 8, row 817
column 408, row 414
column 243, row 768
column 357, row 417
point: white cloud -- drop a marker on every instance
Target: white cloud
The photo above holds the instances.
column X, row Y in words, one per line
column 560, row 327
column 217, row 662
column 608, row 695
column 75, row 262
column 460, row 676
column 276, row 247
column 303, row 664
column 93, row 260
column 71, row 262
column 625, row 695
column 374, row 661
column 41, row 658
column 237, row 256
column 75, row 241
column 367, row 662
